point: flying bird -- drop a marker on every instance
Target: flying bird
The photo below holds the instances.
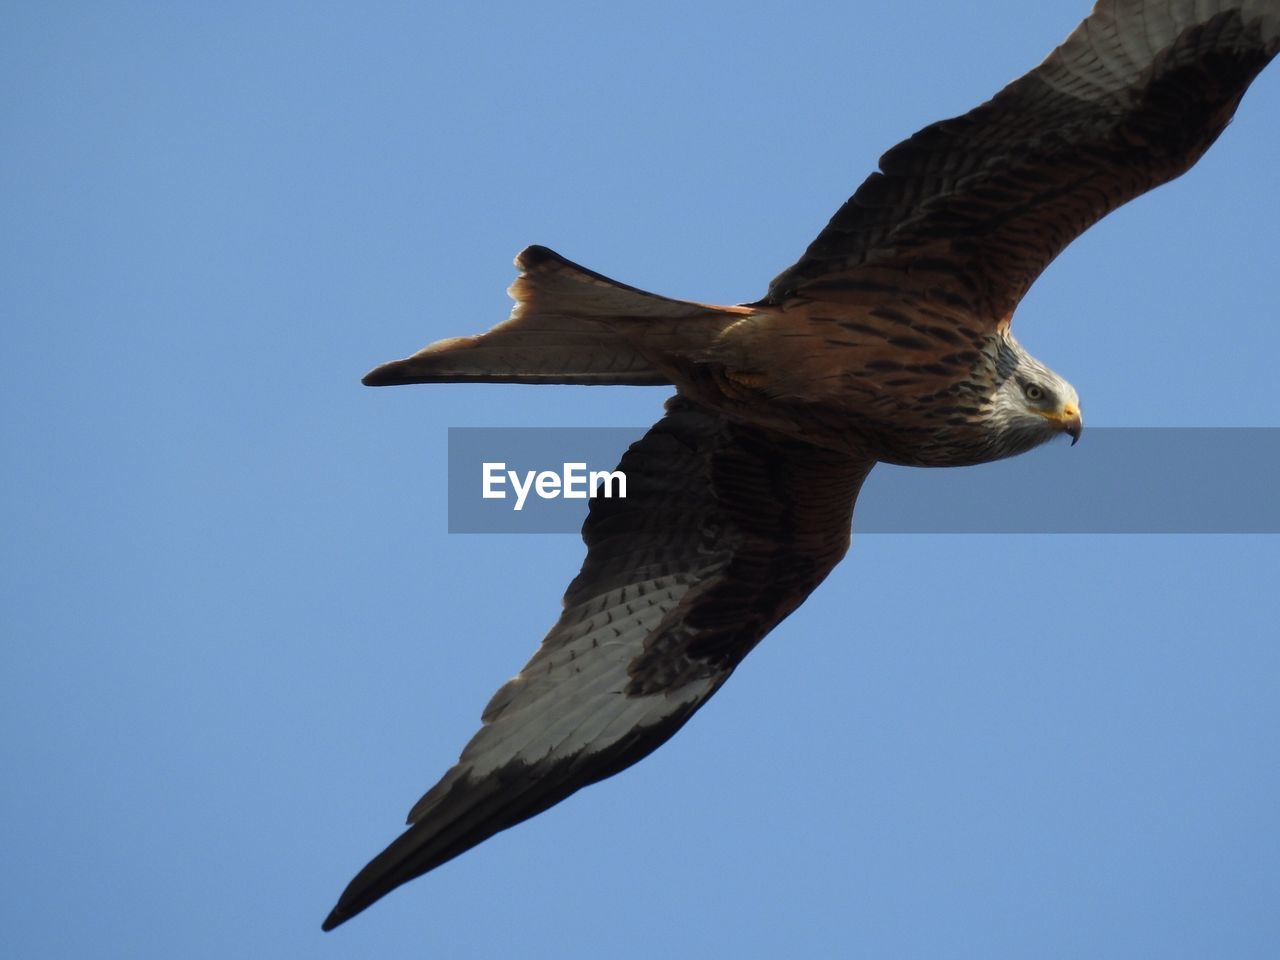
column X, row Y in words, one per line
column 888, row 340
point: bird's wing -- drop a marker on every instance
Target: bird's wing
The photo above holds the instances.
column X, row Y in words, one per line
column 724, row 531
column 969, row 211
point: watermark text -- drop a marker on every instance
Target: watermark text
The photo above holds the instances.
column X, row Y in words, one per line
column 573, row 482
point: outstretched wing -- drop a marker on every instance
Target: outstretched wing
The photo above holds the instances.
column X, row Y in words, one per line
column 724, row 531
column 969, row 211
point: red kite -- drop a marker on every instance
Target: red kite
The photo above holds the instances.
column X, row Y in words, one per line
column 888, row 340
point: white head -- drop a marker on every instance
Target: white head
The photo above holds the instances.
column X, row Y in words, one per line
column 1031, row 404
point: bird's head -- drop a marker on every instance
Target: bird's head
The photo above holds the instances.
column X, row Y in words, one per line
column 1032, row 403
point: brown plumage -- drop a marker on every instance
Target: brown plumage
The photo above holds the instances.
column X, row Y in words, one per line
column 888, row 340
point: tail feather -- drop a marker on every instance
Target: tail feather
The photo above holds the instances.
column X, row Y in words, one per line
column 569, row 325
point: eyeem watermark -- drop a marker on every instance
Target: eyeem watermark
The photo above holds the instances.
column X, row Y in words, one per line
column 573, row 482
column 534, row 479
column 1117, row 480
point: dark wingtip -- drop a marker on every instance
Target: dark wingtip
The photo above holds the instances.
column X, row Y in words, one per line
column 348, row 906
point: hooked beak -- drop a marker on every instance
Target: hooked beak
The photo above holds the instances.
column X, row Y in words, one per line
column 1068, row 419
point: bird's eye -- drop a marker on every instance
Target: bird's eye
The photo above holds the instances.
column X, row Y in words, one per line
column 1034, row 392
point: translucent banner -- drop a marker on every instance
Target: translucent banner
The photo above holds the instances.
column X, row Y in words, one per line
column 1116, row 480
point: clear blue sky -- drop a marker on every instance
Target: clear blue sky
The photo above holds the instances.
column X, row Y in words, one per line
column 239, row 644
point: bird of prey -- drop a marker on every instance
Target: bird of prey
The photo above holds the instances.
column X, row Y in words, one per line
column 888, row 340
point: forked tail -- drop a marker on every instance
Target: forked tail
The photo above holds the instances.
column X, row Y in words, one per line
column 569, row 325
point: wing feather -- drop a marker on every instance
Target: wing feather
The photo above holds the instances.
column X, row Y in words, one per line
column 725, row 530
column 969, row 211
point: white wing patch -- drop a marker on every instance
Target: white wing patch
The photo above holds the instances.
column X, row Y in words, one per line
column 572, row 693
column 1108, row 53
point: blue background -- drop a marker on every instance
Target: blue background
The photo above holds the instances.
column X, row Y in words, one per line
column 238, row 643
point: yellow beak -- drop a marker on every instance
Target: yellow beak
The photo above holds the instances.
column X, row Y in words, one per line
column 1068, row 418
